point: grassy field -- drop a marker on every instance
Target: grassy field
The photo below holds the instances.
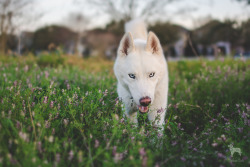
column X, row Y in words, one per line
column 63, row 111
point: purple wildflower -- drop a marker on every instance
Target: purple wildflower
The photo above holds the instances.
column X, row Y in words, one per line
column 248, row 107
column 114, row 150
column 58, row 106
column 116, row 101
column 71, row 155
column 46, row 73
column 160, row 135
column 75, row 96
column 142, row 152
column 15, row 83
column 105, row 93
column 18, row 125
column 244, row 158
column 51, row 104
column 45, row 101
column 118, row 157
column 240, row 130
column 24, row 136
column 223, row 137
column 157, row 165
column 220, row 155
column 183, row 159
column 68, row 86
column 122, row 120
column 97, row 143
column 214, row 144
column 213, row 120
column 174, row 143
column 101, row 100
column 57, row 115
column 39, row 146
column 47, row 124
column 244, row 115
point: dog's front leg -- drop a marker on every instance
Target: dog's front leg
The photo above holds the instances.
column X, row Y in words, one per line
column 156, row 117
column 130, row 107
column 132, row 115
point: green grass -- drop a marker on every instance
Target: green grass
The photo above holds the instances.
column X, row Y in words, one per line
column 68, row 114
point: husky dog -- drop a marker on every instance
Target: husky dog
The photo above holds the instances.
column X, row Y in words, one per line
column 142, row 74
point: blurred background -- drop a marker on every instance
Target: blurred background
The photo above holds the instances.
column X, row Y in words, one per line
column 94, row 28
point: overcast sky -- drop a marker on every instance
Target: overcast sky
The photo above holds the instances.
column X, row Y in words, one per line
column 56, row 12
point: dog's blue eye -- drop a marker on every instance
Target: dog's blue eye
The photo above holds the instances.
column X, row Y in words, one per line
column 152, row 74
column 131, row 76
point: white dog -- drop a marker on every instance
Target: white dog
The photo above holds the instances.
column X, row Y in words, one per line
column 142, row 74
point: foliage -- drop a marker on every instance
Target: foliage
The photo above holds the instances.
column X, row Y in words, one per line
column 215, row 31
column 12, row 13
column 245, row 34
column 127, row 10
column 167, row 32
column 49, row 37
column 65, row 116
column 246, row 1
column 116, row 27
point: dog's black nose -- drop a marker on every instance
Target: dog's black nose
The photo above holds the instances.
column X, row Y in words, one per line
column 145, row 101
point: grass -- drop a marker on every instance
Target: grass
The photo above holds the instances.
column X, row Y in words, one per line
column 68, row 114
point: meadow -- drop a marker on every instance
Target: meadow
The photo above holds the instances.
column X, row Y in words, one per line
column 63, row 111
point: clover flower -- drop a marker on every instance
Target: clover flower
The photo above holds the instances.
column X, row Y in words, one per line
column 71, row 155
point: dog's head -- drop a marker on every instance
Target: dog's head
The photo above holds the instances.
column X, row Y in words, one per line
column 139, row 67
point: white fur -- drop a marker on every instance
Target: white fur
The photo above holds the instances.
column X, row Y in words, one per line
column 141, row 59
column 137, row 28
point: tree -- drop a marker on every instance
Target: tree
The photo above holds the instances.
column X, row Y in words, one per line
column 246, row 1
column 116, row 27
column 245, row 34
column 167, row 32
column 128, row 9
column 12, row 14
column 215, row 31
column 52, row 36
column 79, row 23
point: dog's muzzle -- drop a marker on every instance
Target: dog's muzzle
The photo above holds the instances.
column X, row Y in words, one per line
column 144, row 102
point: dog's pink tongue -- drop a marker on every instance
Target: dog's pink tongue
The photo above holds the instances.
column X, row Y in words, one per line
column 143, row 109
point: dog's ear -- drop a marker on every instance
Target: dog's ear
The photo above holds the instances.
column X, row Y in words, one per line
column 153, row 44
column 126, row 44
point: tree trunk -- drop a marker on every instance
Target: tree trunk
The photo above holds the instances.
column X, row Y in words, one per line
column 3, row 44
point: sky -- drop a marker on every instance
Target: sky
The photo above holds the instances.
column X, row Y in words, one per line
column 57, row 12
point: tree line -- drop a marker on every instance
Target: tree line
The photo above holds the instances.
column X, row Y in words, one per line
column 14, row 13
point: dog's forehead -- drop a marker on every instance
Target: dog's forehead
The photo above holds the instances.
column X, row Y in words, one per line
column 142, row 62
column 140, row 43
